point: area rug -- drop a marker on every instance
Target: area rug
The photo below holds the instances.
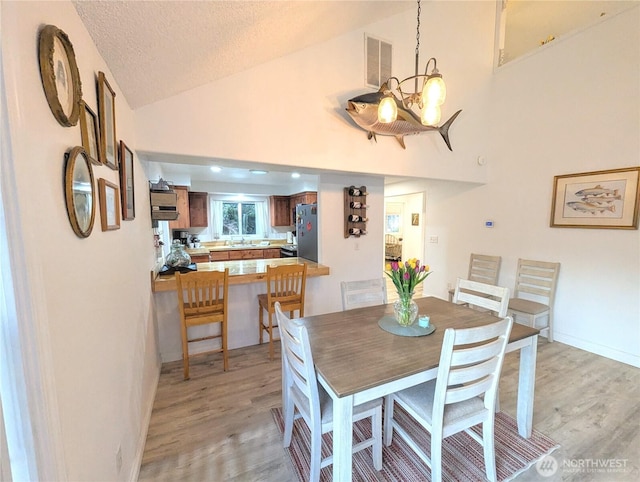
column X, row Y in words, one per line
column 463, row 459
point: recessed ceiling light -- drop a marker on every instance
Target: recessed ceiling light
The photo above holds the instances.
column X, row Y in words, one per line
column 215, row 168
column 295, row 175
column 257, row 171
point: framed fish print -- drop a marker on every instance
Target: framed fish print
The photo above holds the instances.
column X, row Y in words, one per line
column 107, row 113
column 126, row 183
column 599, row 199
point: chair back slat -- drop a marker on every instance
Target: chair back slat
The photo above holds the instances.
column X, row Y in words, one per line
column 286, row 284
column 538, row 278
column 468, row 371
column 202, row 293
column 490, row 297
column 361, row 293
column 484, row 268
column 296, row 355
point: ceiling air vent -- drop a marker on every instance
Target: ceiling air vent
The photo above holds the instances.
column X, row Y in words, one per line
column 378, row 55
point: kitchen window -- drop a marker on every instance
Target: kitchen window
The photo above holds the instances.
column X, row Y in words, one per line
column 238, row 219
column 234, row 216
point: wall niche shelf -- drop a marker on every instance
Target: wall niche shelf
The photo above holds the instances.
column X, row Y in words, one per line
column 355, row 211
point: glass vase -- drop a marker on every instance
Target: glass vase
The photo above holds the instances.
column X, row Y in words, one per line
column 405, row 309
column 178, row 257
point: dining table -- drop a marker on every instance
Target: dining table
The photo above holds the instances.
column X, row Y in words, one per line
column 356, row 361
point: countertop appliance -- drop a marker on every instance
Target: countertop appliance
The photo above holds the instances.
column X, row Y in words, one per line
column 288, row 251
column 307, row 231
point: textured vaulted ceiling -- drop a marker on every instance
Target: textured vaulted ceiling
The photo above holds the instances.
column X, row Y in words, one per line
column 181, row 45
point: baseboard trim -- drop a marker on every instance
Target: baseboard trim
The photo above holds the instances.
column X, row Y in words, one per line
column 137, row 459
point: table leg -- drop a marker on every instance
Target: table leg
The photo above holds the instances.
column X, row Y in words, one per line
column 342, row 438
column 526, row 386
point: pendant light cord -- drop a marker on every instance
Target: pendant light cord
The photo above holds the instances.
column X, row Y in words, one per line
column 417, row 45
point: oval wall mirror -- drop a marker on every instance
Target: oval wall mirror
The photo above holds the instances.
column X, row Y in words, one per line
column 79, row 191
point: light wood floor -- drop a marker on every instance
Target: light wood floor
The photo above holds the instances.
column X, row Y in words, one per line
column 218, row 426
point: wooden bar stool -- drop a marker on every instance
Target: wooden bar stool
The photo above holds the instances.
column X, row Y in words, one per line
column 285, row 284
column 202, row 300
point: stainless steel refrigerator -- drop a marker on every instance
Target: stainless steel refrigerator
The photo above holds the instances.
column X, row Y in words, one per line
column 307, row 231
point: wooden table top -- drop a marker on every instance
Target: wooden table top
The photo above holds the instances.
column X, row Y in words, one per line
column 241, row 271
column 352, row 353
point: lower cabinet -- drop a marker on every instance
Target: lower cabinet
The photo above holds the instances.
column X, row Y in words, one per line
column 238, row 254
column 271, row 253
column 246, row 254
column 200, row 258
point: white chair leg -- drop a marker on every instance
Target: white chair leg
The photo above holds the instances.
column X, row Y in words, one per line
column 376, row 428
column 436, row 457
column 316, row 454
column 489, row 450
column 288, row 414
column 388, row 419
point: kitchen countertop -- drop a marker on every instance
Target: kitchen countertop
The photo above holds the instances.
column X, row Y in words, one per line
column 241, row 271
column 235, row 247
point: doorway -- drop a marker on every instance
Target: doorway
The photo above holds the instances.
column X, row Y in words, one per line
column 403, row 231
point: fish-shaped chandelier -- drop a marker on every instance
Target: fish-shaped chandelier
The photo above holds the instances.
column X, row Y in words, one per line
column 384, row 113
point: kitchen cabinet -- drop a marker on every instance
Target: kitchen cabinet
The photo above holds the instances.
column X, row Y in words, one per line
column 198, row 211
column 245, row 254
column 200, row 258
column 306, row 197
column 192, row 209
column 237, row 254
column 219, row 255
column 271, row 253
column 182, row 206
column 279, row 211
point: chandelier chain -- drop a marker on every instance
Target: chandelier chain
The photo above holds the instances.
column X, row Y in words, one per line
column 418, row 31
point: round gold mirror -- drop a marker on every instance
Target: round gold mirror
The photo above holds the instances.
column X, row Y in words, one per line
column 79, row 191
column 60, row 76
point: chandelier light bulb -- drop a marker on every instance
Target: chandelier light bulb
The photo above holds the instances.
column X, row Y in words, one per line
column 434, row 90
column 431, row 115
column 387, row 110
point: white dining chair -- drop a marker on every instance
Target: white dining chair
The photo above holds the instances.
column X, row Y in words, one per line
column 361, row 293
column 304, row 398
column 482, row 295
column 535, row 292
column 482, row 268
column 462, row 395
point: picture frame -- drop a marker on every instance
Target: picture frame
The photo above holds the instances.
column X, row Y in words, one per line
column 415, row 219
column 127, row 190
column 109, row 205
column 107, row 114
column 79, row 191
column 59, row 74
column 599, row 199
column 90, row 133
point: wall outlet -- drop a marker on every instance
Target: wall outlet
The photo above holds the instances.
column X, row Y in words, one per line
column 433, row 239
column 119, row 459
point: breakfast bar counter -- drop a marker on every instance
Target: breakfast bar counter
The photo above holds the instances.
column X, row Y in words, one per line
column 247, row 279
column 242, row 271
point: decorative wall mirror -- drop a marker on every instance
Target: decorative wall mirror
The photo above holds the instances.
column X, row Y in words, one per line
column 60, row 76
column 80, row 192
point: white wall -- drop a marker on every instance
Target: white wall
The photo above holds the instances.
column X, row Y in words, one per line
column 292, row 111
column 91, row 297
column 550, row 115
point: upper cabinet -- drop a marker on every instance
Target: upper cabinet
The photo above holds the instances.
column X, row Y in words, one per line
column 282, row 208
column 192, row 209
column 198, row 211
column 279, row 211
